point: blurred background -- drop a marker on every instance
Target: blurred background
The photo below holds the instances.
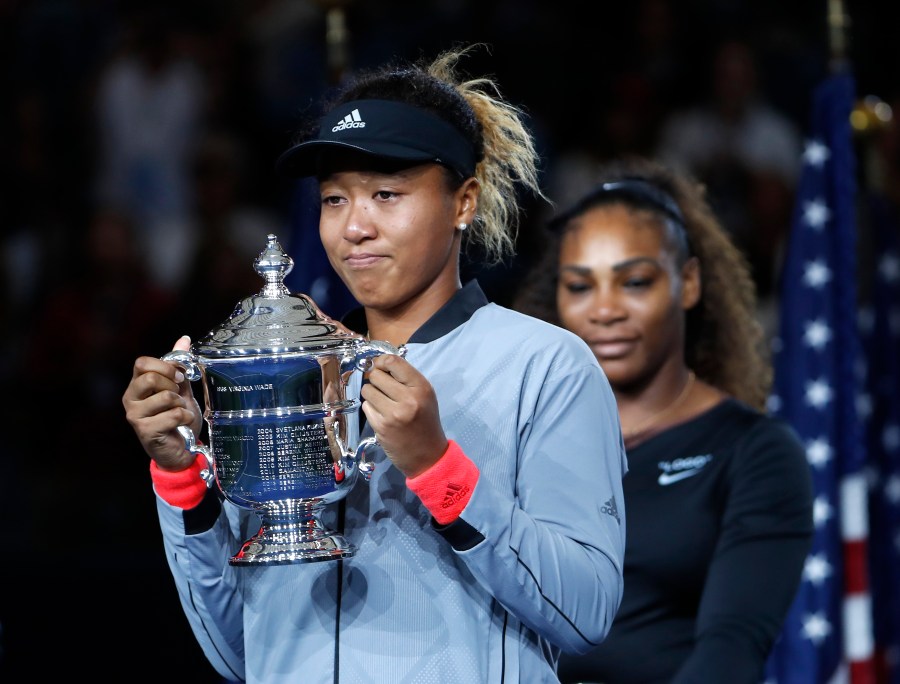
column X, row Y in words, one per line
column 136, row 187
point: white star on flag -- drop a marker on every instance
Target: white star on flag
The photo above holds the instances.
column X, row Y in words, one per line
column 816, row 628
column 816, row 214
column 818, row 452
column 816, row 334
column 889, row 267
column 864, row 406
column 890, row 438
column 865, row 319
column 816, row 568
column 815, row 153
column 892, row 489
column 873, row 476
column 816, row 274
column 818, row 394
column 822, row 511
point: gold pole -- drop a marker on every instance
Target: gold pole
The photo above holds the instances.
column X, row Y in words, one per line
column 838, row 24
column 336, row 41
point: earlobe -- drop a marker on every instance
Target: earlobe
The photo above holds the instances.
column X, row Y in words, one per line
column 468, row 202
column 691, row 284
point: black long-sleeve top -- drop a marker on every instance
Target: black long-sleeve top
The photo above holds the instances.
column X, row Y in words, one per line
column 718, row 524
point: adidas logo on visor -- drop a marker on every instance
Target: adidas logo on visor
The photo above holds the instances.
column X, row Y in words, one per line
column 352, row 120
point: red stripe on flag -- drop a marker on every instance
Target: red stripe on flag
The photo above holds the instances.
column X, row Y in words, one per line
column 856, row 575
column 862, row 672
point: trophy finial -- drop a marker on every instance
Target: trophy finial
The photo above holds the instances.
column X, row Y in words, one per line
column 273, row 265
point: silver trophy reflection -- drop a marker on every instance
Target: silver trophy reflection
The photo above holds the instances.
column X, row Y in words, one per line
column 281, row 389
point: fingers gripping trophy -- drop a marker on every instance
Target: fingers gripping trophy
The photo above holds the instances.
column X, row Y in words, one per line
column 281, row 389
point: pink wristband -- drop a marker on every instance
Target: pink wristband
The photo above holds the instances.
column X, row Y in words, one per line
column 183, row 489
column 446, row 487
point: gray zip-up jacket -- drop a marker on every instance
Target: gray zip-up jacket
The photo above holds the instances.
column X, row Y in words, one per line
column 533, row 565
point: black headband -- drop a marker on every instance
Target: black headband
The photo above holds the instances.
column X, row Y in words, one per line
column 384, row 129
column 638, row 191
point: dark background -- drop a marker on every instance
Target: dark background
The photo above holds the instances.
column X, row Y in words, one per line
column 85, row 590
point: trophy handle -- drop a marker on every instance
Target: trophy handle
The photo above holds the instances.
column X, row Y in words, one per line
column 354, row 457
column 366, row 350
column 366, row 468
column 191, row 444
column 186, row 361
column 361, row 359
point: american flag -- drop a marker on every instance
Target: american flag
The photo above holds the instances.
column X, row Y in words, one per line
column 880, row 327
column 827, row 636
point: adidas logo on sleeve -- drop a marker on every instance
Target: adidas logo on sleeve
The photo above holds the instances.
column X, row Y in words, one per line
column 610, row 508
column 352, row 120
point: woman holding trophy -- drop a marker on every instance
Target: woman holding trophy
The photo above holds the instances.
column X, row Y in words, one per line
column 490, row 535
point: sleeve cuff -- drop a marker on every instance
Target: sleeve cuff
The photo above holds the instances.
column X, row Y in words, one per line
column 446, row 487
column 183, row 489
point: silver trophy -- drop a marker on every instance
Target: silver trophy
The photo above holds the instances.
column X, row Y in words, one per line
column 281, row 388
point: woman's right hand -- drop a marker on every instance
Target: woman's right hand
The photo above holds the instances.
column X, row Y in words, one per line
column 157, row 400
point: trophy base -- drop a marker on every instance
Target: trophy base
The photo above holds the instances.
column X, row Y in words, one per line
column 257, row 551
column 285, row 542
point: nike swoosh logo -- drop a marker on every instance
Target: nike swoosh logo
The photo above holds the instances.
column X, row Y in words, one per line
column 671, row 478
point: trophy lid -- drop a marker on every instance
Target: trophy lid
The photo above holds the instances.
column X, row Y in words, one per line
column 274, row 320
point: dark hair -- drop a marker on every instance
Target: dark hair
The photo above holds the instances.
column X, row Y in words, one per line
column 724, row 340
column 637, row 193
column 504, row 148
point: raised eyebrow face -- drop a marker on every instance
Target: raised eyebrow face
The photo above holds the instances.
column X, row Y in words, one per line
column 636, row 261
column 617, row 268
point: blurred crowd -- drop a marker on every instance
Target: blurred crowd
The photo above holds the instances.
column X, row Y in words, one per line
column 137, row 186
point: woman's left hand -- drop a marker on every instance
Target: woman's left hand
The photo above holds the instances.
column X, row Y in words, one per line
column 401, row 406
